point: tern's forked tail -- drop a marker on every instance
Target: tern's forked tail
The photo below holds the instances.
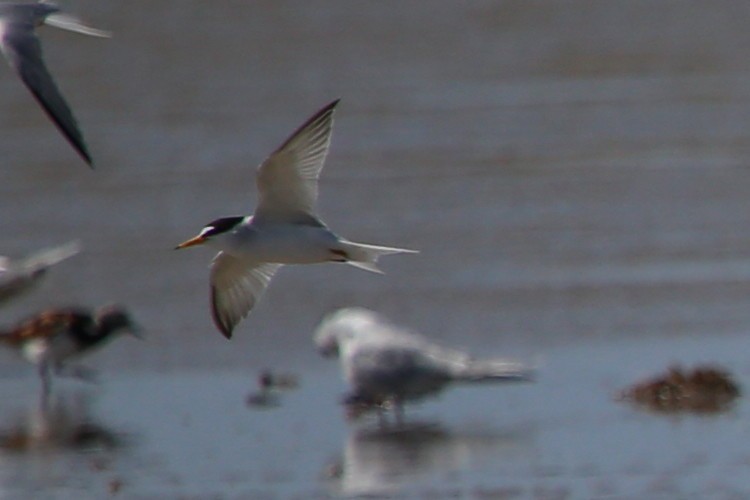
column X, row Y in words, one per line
column 366, row 256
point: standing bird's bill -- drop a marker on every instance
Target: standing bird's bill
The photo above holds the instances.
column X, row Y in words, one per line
column 18, row 276
column 284, row 229
column 22, row 49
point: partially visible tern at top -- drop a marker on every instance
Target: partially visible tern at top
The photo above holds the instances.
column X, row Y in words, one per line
column 21, row 47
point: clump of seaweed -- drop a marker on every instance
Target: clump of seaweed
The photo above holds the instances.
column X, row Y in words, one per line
column 703, row 390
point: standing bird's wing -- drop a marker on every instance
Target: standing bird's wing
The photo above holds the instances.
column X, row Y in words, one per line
column 21, row 47
column 51, row 256
column 46, row 325
column 288, row 179
column 459, row 366
column 236, row 286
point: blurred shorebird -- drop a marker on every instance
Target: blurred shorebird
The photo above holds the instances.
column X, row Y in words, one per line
column 23, row 51
column 18, row 276
column 283, row 230
column 52, row 337
column 386, row 365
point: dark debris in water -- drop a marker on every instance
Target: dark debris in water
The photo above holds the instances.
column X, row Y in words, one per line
column 263, row 400
column 703, row 390
column 268, row 379
column 270, row 384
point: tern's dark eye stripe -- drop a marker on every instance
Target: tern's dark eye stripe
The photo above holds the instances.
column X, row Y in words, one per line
column 221, row 225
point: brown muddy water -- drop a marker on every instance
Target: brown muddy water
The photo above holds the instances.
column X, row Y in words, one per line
column 576, row 175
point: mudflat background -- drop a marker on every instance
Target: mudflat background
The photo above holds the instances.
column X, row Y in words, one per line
column 575, row 174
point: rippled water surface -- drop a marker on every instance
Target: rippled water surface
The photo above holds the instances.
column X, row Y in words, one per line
column 574, row 173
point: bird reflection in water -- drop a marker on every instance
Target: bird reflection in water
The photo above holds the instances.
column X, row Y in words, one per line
column 59, row 422
column 379, row 460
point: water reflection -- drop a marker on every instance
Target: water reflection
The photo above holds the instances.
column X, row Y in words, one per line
column 61, row 422
column 378, row 460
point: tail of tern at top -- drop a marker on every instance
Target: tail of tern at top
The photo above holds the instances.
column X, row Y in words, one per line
column 366, row 256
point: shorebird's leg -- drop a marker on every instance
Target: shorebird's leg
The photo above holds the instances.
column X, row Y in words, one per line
column 398, row 411
column 79, row 372
column 382, row 418
column 46, row 377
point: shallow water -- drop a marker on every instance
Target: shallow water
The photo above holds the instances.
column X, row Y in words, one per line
column 574, row 174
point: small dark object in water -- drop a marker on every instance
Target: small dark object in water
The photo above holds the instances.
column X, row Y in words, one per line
column 267, row 379
column 269, row 383
column 263, row 399
column 705, row 389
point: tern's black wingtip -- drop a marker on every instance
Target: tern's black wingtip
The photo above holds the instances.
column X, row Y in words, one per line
column 226, row 330
column 331, row 105
column 85, row 156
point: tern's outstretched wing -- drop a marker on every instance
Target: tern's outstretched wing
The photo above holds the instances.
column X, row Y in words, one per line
column 288, row 179
column 236, row 286
column 24, row 53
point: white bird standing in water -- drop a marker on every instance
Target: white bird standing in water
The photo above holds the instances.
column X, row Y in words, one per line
column 386, row 365
column 23, row 51
column 283, row 230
